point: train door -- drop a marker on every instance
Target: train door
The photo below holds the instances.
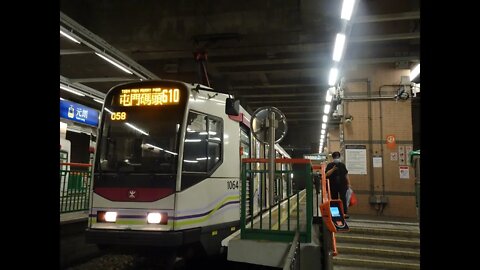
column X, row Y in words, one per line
column 245, row 152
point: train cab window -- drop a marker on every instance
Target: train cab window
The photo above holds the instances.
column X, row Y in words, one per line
column 215, row 135
column 203, row 143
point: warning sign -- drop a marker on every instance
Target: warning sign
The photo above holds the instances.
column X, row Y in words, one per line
column 404, row 172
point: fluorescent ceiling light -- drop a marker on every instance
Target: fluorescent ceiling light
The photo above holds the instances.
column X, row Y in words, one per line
column 137, row 129
column 322, row 131
column 62, row 99
column 98, row 100
column 69, row 37
column 328, row 98
column 110, row 112
column 324, row 126
column 414, row 72
column 114, row 63
column 322, row 136
column 170, row 152
column 68, row 89
column 338, row 49
column 347, row 9
column 326, row 109
column 332, row 77
column 325, row 118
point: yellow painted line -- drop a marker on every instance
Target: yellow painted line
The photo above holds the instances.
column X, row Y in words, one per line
column 292, row 207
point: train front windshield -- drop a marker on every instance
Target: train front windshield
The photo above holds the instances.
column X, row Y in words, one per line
column 147, row 142
column 140, row 138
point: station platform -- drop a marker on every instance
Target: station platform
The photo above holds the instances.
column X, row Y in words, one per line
column 73, row 217
column 274, row 253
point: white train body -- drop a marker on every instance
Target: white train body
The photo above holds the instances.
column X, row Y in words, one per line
column 196, row 196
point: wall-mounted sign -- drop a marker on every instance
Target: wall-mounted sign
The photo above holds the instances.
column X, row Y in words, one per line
column 391, row 144
column 377, row 162
column 404, row 172
column 356, row 159
column 78, row 113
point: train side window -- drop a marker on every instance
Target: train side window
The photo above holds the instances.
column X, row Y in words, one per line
column 194, row 155
column 203, row 143
column 215, row 134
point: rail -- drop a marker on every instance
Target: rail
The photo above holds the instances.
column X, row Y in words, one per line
column 293, row 181
column 293, row 258
column 75, row 182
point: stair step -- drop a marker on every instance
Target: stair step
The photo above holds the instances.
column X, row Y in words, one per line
column 368, row 261
column 378, row 251
column 384, row 231
column 377, row 240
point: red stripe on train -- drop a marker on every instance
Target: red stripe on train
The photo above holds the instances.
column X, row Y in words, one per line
column 133, row 194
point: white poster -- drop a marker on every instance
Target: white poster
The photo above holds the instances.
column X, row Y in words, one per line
column 356, row 159
column 377, row 162
column 404, row 172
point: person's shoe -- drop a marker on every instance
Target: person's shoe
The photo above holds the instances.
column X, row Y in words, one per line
column 345, row 216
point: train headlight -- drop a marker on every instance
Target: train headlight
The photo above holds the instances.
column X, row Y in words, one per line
column 110, row 216
column 154, row 218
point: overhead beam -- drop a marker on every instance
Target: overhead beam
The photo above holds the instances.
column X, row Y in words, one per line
column 275, row 95
column 379, row 38
column 283, row 101
column 106, row 79
column 307, row 60
column 245, row 50
column 99, row 45
column 264, row 69
column 304, row 112
column 93, row 93
column 274, row 86
column 72, row 51
column 265, row 49
column 412, row 15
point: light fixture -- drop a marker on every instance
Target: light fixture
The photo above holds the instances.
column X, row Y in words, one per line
column 69, row 89
column 322, row 136
column 326, row 109
column 98, row 100
column 154, row 218
column 137, row 129
column 332, row 77
column 69, row 37
column 322, row 131
column 110, row 112
column 328, row 97
column 114, row 63
column 325, row 118
column 414, row 72
column 111, row 216
column 324, row 126
column 347, row 9
column 338, row 49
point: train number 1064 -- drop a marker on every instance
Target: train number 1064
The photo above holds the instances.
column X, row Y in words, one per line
column 232, row 184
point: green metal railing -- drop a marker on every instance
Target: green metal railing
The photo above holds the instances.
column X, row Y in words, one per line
column 292, row 212
column 75, row 181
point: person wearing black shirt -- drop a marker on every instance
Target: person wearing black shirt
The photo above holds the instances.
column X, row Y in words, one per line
column 337, row 175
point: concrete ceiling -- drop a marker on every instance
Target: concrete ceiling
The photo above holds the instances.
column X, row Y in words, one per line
column 267, row 53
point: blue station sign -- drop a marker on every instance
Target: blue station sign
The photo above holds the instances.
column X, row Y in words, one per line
column 78, row 113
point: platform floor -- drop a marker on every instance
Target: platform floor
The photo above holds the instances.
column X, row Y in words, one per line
column 66, row 218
